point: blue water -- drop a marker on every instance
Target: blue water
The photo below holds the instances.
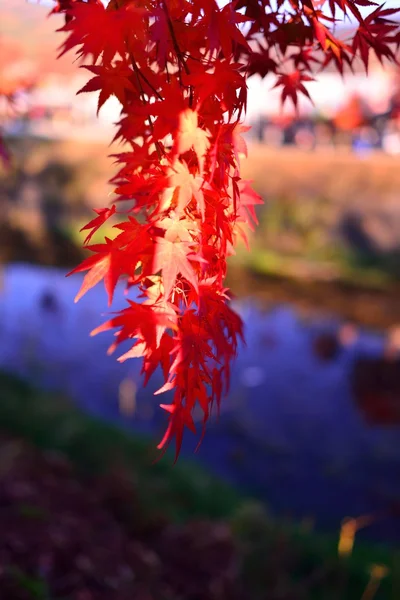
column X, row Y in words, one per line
column 289, row 432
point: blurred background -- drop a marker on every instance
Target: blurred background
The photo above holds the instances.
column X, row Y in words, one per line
column 295, row 491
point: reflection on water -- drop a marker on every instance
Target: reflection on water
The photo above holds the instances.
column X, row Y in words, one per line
column 291, row 430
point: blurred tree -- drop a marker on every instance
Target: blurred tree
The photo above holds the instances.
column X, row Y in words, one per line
column 15, row 77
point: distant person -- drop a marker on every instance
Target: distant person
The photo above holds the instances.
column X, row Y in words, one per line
column 365, row 140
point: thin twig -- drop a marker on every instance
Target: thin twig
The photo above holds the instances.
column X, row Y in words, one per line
column 179, row 53
column 142, row 94
column 175, row 41
column 151, row 125
column 150, row 85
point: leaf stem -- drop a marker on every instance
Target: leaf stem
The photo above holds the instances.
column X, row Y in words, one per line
column 151, row 125
column 179, row 53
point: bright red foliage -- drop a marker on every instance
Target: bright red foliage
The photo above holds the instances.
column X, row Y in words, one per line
column 179, row 69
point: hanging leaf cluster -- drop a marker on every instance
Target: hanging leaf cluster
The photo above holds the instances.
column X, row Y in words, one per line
column 179, row 70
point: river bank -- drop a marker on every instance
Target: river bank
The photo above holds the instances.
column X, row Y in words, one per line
column 377, row 308
column 86, row 514
column 290, row 432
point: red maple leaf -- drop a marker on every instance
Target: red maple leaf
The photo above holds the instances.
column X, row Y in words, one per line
column 248, row 200
column 223, row 31
column 190, row 136
column 172, row 259
column 107, row 264
column 378, row 33
column 261, row 63
column 178, row 228
column 103, row 215
column 138, row 321
column 180, row 417
column 292, row 84
column 87, row 19
column 182, row 187
column 153, row 357
column 112, row 80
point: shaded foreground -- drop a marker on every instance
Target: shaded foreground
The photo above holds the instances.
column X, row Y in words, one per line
column 86, row 515
column 64, row 538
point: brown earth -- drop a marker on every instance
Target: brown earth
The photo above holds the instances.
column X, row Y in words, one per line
column 339, row 176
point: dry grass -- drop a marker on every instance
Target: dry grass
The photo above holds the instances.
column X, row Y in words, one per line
column 340, row 176
column 89, row 160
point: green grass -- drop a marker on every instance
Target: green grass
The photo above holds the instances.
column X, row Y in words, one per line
column 269, row 262
column 310, row 556
column 34, row 588
column 94, row 446
column 297, row 239
column 184, row 491
column 72, row 231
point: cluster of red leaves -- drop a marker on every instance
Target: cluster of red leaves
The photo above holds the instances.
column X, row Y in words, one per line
column 179, row 68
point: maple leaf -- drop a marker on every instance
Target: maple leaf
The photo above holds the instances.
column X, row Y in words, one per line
column 87, row 19
column 153, row 357
column 172, row 259
column 114, row 258
column 231, row 136
column 103, row 215
column 224, row 81
column 176, row 227
column 292, row 84
column 167, row 119
column 113, row 80
column 261, row 63
column 303, row 58
column 144, row 188
column 138, row 320
column 350, row 5
column 378, row 33
column 182, row 187
column 180, row 417
column 106, row 264
column 128, row 129
column 192, row 345
column 189, row 135
column 248, row 200
column 223, row 29
column 294, row 31
column 160, row 33
column 338, row 52
column 136, row 244
column 252, row 8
